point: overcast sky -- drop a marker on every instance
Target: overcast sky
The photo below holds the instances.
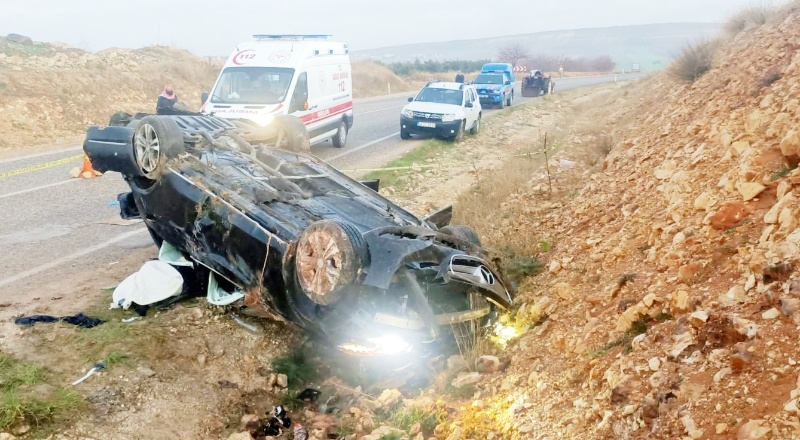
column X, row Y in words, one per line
column 213, row 27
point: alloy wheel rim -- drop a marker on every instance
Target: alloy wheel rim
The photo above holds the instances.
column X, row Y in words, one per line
column 148, row 148
column 320, row 263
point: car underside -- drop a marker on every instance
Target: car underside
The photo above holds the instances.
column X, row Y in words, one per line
column 304, row 242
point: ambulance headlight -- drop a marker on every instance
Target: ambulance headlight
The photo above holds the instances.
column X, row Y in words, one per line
column 264, row 120
column 450, row 117
column 408, row 113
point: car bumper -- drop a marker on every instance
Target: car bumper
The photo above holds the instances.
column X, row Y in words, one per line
column 492, row 98
column 438, row 128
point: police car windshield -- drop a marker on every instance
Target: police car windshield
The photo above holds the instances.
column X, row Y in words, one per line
column 442, row 96
column 252, row 85
column 489, row 79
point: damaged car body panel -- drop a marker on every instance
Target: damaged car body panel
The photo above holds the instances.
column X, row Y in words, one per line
column 306, row 243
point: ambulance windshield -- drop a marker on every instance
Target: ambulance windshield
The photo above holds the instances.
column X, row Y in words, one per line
column 252, row 85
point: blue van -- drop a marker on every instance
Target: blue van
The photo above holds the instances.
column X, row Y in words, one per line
column 495, row 84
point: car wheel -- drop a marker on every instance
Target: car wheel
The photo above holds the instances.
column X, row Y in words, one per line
column 477, row 127
column 510, row 99
column 292, row 134
column 329, row 256
column 156, row 140
column 341, row 135
column 460, row 133
column 404, row 134
column 502, row 103
column 463, row 233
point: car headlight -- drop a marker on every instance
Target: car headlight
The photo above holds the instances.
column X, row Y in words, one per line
column 385, row 345
column 450, row 117
column 408, row 113
column 264, row 120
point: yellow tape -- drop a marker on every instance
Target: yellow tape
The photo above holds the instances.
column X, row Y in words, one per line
column 40, row 166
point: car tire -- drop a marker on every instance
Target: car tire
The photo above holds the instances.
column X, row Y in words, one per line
column 459, row 136
column 510, row 99
column 463, row 233
column 340, row 138
column 156, row 139
column 292, row 134
column 476, row 128
column 329, row 256
column 502, row 104
column 404, row 134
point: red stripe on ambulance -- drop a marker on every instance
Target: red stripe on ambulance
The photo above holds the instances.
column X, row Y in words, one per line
column 327, row 113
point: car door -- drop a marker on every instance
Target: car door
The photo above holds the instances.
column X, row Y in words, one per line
column 470, row 110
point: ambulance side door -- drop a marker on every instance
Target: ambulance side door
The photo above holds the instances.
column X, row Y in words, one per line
column 299, row 105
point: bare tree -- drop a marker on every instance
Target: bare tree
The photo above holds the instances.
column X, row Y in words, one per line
column 513, row 53
column 603, row 64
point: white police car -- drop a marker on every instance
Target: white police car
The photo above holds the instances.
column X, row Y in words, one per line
column 443, row 109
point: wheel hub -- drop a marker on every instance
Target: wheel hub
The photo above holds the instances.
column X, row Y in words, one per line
column 320, row 262
column 148, row 148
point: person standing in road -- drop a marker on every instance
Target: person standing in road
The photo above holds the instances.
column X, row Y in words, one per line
column 460, row 78
column 166, row 101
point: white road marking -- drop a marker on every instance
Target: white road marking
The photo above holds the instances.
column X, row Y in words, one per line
column 379, row 110
column 387, row 97
column 35, row 155
column 16, row 193
column 354, row 150
column 55, row 263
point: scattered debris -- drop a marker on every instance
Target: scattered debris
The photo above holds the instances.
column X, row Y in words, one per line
column 95, row 368
column 79, row 320
column 154, row 282
column 252, row 328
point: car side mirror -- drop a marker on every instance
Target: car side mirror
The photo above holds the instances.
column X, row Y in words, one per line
column 440, row 218
column 374, row 184
column 468, row 105
column 204, row 97
column 410, row 99
column 508, row 83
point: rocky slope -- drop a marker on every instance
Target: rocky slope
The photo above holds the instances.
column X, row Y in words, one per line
column 670, row 301
column 669, row 304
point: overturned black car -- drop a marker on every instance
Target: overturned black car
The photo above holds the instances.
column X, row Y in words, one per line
column 304, row 242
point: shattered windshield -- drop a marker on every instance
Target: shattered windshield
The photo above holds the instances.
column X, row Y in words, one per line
column 252, row 85
column 443, row 96
column 489, row 79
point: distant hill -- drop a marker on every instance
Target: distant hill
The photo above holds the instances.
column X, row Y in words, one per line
column 651, row 45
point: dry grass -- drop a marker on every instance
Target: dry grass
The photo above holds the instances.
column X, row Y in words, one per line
column 482, row 208
column 371, row 79
column 28, row 397
column 747, row 18
column 694, row 61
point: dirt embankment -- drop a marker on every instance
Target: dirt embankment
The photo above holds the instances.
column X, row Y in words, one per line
column 52, row 92
column 669, row 303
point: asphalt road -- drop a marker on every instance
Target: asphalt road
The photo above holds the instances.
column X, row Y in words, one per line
column 51, row 223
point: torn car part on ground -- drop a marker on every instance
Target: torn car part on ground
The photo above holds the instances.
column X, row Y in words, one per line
column 303, row 242
column 79, row 320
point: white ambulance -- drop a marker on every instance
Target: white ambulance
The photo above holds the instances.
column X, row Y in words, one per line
column 307, row 76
